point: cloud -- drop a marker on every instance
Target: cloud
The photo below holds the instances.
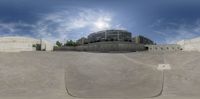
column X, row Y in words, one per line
column 63, row 24
column 15, row 29
column 102, row 23
column 181, row 34
column 73, row 25
column 183, row 31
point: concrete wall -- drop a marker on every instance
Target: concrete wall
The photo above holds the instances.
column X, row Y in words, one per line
column 17, row 44
column 66, row 48
column 190, row 45
column 15, row 47
column 164, row 47
column 105, row 47
column 47, row 46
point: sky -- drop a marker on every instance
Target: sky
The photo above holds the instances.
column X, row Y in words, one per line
column 163, row 21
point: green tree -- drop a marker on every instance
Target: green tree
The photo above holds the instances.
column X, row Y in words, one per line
column 70, row 43
column 59, row 44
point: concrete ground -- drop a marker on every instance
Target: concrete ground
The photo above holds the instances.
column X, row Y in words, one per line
column 83, row 75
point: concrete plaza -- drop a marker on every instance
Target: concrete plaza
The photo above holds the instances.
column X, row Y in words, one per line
column 82, row 75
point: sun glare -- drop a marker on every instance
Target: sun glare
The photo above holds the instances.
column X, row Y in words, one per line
column 102, row 23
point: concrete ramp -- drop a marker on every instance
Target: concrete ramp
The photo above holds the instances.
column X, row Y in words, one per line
column 100, row 75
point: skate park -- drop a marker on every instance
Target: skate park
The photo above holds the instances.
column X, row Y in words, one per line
column 84, row 75
column 151, row 74
column 99, row 49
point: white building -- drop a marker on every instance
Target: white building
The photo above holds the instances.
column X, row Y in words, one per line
column 190, row 45
column 17, row 44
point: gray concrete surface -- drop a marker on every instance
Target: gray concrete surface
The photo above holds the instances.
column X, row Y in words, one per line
column 183, row 79
column 47, row 75
column 114, row 75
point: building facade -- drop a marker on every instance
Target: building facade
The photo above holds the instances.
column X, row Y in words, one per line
column 142, row 40
column 109, row 35
column 112, row 40
column 82, row 41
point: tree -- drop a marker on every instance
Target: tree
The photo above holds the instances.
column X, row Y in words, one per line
column 70, row 43
column 59, row 44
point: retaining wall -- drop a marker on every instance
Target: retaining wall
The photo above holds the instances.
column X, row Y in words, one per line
column 190, row 45
column 105, row 47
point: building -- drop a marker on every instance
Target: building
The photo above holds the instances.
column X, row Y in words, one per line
column 82, row 41
column 164, row 47
column 142, row 40
column 110, row 35
column 17, row 44
column 111, row 40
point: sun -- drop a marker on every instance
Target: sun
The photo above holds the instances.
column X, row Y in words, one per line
column 102, row 24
